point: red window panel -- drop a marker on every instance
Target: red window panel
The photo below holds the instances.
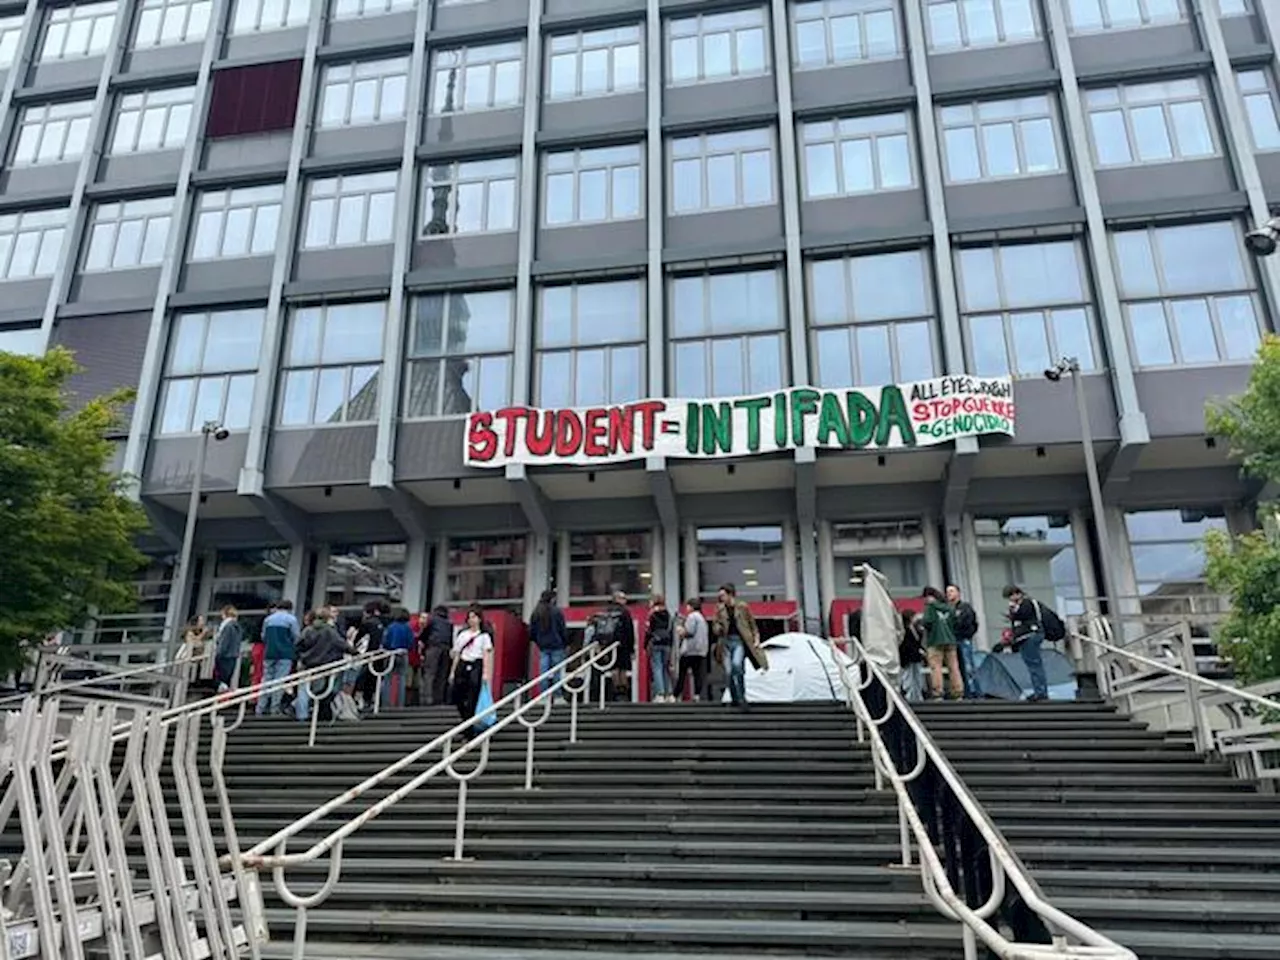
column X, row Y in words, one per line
column 254, row 99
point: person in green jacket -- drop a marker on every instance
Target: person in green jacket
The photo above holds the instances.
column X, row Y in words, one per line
column 940, row 638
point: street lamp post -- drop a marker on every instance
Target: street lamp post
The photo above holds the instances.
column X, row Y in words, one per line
column 181, row 576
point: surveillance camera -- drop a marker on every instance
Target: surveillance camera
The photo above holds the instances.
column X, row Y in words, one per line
column 1053, row 374
column 221, row 433
column 1261, row 241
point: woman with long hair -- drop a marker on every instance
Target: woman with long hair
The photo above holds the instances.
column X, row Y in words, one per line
column 472, row 662
column 549, row 633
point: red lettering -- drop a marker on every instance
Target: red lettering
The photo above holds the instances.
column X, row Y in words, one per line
column 510, row 417
column 622, row 432
column 482, row 442
column 596, row 427
column 920, row 411
column 568, row 433
column 539, row 443
column 648, row 410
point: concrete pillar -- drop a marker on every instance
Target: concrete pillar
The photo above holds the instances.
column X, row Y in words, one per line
column 563, row 572
column 537, row 570
column 1241, row 519
column 973, row 586
column 440, row 581
column 826, row 569
column 321, row 589
column 1128, row 604
column 1085, row 567
column 790, row 560
column 932, row 551
column 692, row 584
column 810, row 598
column 203, row 591
column 669, row 557
column 415, row 575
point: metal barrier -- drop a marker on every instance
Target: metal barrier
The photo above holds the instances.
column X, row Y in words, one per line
column 1163, row 678
column 164, row 684
column 966, row 866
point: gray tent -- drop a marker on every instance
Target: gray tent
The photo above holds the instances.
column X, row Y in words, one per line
column 1005, row 676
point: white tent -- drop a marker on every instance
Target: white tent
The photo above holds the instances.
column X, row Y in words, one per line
column 800, row 668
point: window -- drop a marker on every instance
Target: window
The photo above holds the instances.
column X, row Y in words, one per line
column 1188, row 294
column 716, row 46
column 213, row 359
column 1025, row 306
column 1036, row 553
column 894, row 547
column 332, row 362
column 30, row 243
column 1260, row 106
column 460, row 353
column 153, row 120
column 594, row 63
column 237, row 223
column 252, row 580
column 1150, row 122
column 358, row 93
column 999, row 138
column 470, row 197
column 1090, row 15
column 872, row 319
column 476, row 78
column 753, row 559
column 53, row 133
column 1234, row 8
column 10, row 33
column 485, row 570
column 132, row 233
column 78, row 30
column 599, row 562
column 348, row 210
column 351, row 9
column 591, row 344
column 165, row 22
column 726, row 334
column 827, row 33
column 254, row 99
column 360, row 572
column 591, row 186
column 715, row 171
column 259, row 16
column 27, row 341
column 956, row 24
column 858, row 155
column 1167, row 547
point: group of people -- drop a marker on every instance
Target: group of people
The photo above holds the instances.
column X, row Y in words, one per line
column 943, row 632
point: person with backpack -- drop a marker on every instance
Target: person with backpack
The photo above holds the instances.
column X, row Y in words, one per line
column 280, row 633
column 549, row 633
column 398, row 636
column 911, row 657
column 940, row 639
column 966, row 625
column 615, row 625
column 659, row 636
column 320, row 645
column 1029, row 623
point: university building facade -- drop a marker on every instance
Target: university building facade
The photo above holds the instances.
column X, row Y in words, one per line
column 340, row 227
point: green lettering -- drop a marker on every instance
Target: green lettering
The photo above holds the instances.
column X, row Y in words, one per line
column 717, row 428
column 780, row 420
column 753, row 406
column 831, row 421
column 804, row 402
column 691, row 424
column 893, row 413
column 862, row 419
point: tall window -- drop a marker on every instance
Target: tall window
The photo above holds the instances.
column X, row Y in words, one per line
column 131, row 233
column 485, row 570
column 240, row 222
column 1168, row 560
column 213, row 359
column 476, row 78
column 727, row 334
column 894, row 547
column 827, row 33
column 153, row 120
column 1036, row 553
column 460, row 353
column 1090, row 15
column 370, row 91
column 751, row 558
column 717, row 171
column 251, row 580
column 351, row 9
column 591, row 186
column 857, row 155
column 591, row 343
column 259, row 16
column 717, row 46
column 1260, row 106
column 1000, row 138
column 53, row 133
column 165, row 22
column 349, row 210
column 30, row 243
column 600, row 562
column 1025, row 306
column 1234, row 8
column 470, row 197
column 956, row 24
column 594, row 63
column 1188, row 294
column 78, row 30
column 872, row 319
column 332, row 363
column 1150, row 122
column 10, row 33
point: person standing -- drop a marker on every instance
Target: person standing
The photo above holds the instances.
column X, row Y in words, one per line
column 372, row 626
column 615, row 625
column 398, row 637
column 1027, row 637
column 437, row 643
column 472, row 665
column 911, row 658
column 940, row 638
column 695, row 644
column 659, row 637
column 966, row 626
column 320, row 646
column 226, row 658
column 280, row 634
column 549, row 633
column 735, row 630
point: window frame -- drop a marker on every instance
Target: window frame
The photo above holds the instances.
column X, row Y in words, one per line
column 576, row 171
column 293, row 15
column 414, row 358
column 581, row 48
column 316, row 368
column 798, row 15
column 962, row 24
column 1205, row 100
column 337, row 197
column 10, row 36
column 224, row 211
column 458, row 177
column 574, row 346
column 363, row 8
column 185, row 35
column 977, row 124
column 703, row 158
column 145, row 217
column 27, row 223
column 474, row 55
column 1145, row 19
column 699, row 34
column 1267, row 90
column 57, row 16
column 838, row 138
column 143, row 103
column 84, row 119
column 198, row 375
column 381, row 71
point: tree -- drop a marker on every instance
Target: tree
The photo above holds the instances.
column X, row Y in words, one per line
column 1247, row 568
column 67, row 532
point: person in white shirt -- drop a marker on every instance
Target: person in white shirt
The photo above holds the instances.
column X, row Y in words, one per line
column 472, row 663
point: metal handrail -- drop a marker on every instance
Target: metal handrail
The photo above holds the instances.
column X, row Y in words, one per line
column 131, row 674
column 1004, row 863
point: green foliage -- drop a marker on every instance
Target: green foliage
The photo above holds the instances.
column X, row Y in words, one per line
column 1251, row 421
column 66, row 531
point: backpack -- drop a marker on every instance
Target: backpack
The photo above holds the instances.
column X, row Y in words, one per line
column 344, row 708
column 609, row 626
column 1050, row 623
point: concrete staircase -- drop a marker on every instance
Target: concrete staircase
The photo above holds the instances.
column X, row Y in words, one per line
column 1126, row 829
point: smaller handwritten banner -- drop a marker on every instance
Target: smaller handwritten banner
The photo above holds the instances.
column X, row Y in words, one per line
column 920, row 414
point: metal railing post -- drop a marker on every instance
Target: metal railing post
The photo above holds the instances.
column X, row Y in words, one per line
column 460, row 827
column 531, row 729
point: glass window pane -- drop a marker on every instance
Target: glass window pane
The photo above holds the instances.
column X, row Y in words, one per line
column 727, row 374
column 208, row 406
column 559, row 201
column 811, row 42
column 1150, row 134
column 986, row 344
column 751, row 55
column 1195, row 331
column 826, row 291
column 686, row 188
column 590, row 383
column 1040, row 273
column 889, row 285
column 1040, row 151
column 764, row 355
column 626, row 374
column 944, row 25
column 857, row 165
column 554, row 384
column 331, row 395
column 593, row 195
column 980, row 20
column 1071, row 333
column 962, row 154
column 176, row 409
column 1030, row 343
column 1239, row 326
column 690, row 377
column 1201, row 257
column 1019, row 20
column 295, row 404
column 235, row 415
column 895, row 161
column 1110, row 138
column 1136, row 267
column 1000, row 149
column 882, row 33
column 835, row 359
column 1191, row 127
column 721, row 181
column 1151, row 342
column 915, row 351
column 979, row 286
column 875, row 362
column 757, row 177
column 626, row 192
column 1262, row 120
column 820, row 170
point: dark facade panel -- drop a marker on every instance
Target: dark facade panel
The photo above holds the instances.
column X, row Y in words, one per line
column 723, row 100
column 567, row 9
column 431, row 450
column 963, row 69
column 1025, row 496
column 877, row 501
column 82, row 71
column 110, row 347
column 1243, row 34
column 171, row 464
column 159, row 169
column 851, row 89
column 24, row 296
column 259, row 98
column 627, row 513
column 1164, row 181
column 354, row 262
column 466, row 253
column 1120, row 50
column 228, row 276
column 725, row 230
column 573, row 244
column 1269, row 170
column 1046, row 412
column 838, row 217
column 183, row 56
column 1183, row 488
column 393, row 26
column 324, row 455
column 45, row 178
column 1001, row 200
column 1174, row 400
column 138, row 284
column 484, row 129
column 330, row 144
column 590, row 114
